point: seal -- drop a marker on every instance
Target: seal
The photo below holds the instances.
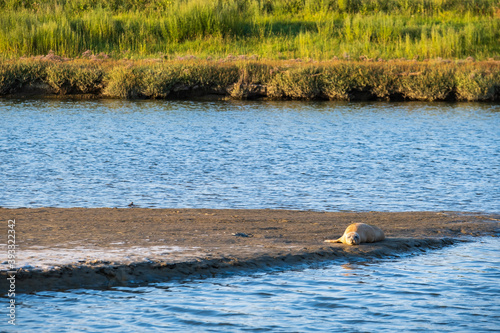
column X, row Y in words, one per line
column 358, row 233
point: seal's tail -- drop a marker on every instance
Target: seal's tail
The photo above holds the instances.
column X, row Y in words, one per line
column 333, row 240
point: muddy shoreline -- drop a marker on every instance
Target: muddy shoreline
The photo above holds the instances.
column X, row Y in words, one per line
column 61, row 248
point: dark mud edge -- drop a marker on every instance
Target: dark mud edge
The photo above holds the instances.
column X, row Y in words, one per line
column 102, row 275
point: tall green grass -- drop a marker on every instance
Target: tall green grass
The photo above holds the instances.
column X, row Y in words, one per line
column 279, row 29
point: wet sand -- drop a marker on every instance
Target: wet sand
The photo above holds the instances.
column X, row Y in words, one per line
column 62, row 248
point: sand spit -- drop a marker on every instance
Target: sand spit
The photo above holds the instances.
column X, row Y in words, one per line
column 60, row 248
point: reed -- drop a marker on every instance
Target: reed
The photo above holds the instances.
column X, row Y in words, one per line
column 279, row 29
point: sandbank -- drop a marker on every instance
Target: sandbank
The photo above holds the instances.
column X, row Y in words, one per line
column 65, row 248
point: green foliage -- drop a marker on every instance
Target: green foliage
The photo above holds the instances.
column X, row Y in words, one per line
column 157, row 82
column 380, row 81
column 429, row 85
column 124, row 82
column 70, row 78
column 7, row 79
column 210, row 75
column 252, row 77
column 13, row 76
column 336, row 80
column 280, row 29
column 340, row 80
column 296, row 83
column 478, row 84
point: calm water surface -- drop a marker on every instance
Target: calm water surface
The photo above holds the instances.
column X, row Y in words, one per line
column 319, row 156
column 452, row 290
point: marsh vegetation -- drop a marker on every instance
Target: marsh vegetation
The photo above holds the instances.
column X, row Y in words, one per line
column 332, row 80
column 279, row 29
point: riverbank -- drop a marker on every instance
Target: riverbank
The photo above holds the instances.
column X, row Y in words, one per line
column 235, row 78
column 98, row 248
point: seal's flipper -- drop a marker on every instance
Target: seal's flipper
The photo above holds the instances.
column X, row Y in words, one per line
column 334, row 240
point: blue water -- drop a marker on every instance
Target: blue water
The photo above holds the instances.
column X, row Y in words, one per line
column 451, row 290
column 293, row 155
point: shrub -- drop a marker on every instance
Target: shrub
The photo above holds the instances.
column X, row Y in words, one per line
column 433, row 83
column 124, row 82
column 339, row 80
column 13, row 76
column 74, row 79
column 475, row 84
column 296, row 83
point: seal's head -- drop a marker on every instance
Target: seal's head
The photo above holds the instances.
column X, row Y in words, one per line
column 352, row 238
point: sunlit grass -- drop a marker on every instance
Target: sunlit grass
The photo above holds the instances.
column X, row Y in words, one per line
column 281, row 49
column 240, row 79
column 281, row 29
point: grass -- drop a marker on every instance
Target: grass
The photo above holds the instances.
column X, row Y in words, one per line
column 241, row 79
column 280, row 49
column 273, row 30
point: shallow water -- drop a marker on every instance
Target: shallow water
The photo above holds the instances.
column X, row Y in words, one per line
column 319, row 156
column 455, row 289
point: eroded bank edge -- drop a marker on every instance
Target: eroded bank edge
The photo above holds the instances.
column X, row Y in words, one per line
column 105, row 275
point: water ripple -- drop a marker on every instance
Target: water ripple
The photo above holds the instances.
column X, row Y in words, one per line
column 425, row 293
column 320, row 156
